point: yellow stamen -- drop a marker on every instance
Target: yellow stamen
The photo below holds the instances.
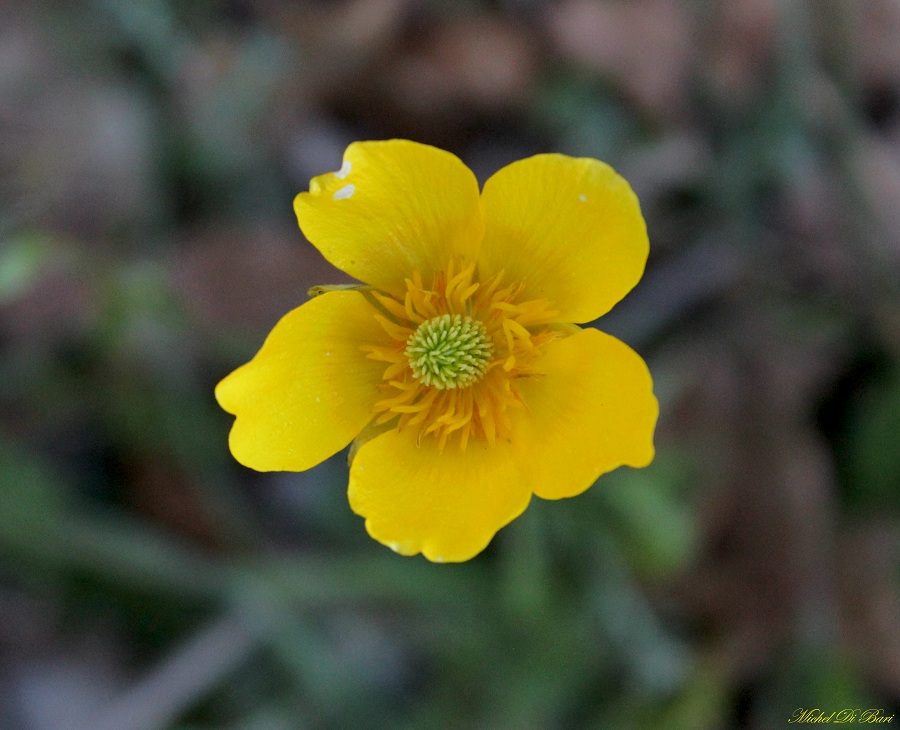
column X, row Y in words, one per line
column 459, row 346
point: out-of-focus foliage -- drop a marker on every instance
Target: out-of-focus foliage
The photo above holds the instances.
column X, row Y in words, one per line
column 149, row 153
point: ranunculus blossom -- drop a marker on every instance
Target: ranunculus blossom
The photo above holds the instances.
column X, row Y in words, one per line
column 456, row 368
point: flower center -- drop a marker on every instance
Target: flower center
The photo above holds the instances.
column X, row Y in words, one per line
column 454, row 350
column 449, row 351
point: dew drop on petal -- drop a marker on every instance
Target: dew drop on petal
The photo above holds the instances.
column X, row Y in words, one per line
column 345, row 192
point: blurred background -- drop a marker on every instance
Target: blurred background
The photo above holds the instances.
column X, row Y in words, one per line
column 149, row 155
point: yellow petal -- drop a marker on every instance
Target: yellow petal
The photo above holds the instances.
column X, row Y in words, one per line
column 393, row 207
column 447, row 505
column 570, row 228
column 310, row 389
column 591, row 410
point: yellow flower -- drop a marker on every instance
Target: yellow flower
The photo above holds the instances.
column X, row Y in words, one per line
column 456, row 367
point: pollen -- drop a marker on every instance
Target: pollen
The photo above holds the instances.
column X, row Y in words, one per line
column 449, row 351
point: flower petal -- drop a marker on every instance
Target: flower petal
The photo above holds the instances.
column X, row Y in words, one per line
column 310, row 389
column 591, row 411
column 394, row 206
column 570, row 228
column 445, row 504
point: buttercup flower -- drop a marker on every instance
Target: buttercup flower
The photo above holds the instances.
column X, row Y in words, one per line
column 455, row 368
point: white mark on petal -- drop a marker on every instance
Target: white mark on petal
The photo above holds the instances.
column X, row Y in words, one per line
column 439, row 559
column 328, row 353
column 344, row 171
column 395, row 546
column 345, row 192
column 582, row 198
